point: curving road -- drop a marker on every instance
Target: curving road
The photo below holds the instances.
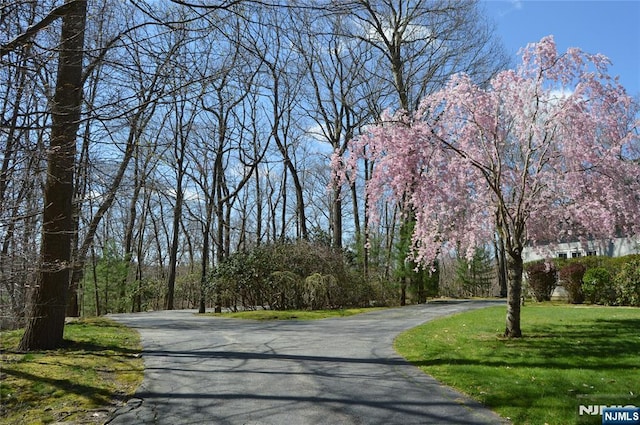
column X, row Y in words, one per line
column 205, row 370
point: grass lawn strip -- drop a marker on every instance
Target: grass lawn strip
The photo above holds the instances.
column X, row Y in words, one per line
column 98, row 367
column 294, row 314
column 569, row 356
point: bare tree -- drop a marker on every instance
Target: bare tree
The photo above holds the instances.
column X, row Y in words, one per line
column 27, row 82
column 231, row 151
column 235, row 101
column 142, row 100
column 183, row 119
column 423, row 42
column 336, row 96
column 282, row 81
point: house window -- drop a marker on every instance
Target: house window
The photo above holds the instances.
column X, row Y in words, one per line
column 591, row 253
column 562, row 255
column 575, row 254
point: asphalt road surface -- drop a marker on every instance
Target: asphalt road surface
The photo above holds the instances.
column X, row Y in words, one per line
column 209, row 370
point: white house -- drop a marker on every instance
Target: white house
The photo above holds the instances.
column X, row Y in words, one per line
column 617, row 247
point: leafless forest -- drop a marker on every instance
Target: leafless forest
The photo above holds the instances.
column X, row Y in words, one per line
column 206, row 130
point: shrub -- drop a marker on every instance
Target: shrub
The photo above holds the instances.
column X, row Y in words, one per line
column 542, row 279
column 283, row 276
column 612, row 264
column 571, row 278
column 285, row 290
column 627, row 283
column 597, row 286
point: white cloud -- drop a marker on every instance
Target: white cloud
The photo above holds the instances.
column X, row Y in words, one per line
column 513, row 6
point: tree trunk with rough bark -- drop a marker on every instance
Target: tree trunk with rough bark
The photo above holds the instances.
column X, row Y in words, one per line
column 514, row 293
column 336, row 219
column 498, row 245
column 46, row 312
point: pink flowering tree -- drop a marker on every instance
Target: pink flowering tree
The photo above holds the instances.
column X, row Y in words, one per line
column 543, row 153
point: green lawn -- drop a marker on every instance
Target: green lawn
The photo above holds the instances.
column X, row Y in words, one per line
column 99, row 364
column 569, row 356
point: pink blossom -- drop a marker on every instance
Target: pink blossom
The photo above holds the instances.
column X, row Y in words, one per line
column 537, row 156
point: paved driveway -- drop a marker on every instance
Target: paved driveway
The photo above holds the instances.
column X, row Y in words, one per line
column 206, row 370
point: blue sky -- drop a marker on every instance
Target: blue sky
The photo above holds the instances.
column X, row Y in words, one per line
column 608, row 27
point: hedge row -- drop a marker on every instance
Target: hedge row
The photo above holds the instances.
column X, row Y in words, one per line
column 597, row 280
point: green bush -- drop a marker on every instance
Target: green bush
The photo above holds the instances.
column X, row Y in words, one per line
column 627, row 283
column 542, row 279
column 571, row 278
column 612, row 264
column 619, row 287
column 282, row 276
column 597, row 286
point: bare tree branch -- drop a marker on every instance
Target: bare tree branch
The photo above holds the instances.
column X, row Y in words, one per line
column 30, row 32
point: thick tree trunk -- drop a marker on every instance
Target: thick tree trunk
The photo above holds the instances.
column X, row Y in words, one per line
column 498, row 245
column 336, row 219
column 45, row 320
column 514, row 292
